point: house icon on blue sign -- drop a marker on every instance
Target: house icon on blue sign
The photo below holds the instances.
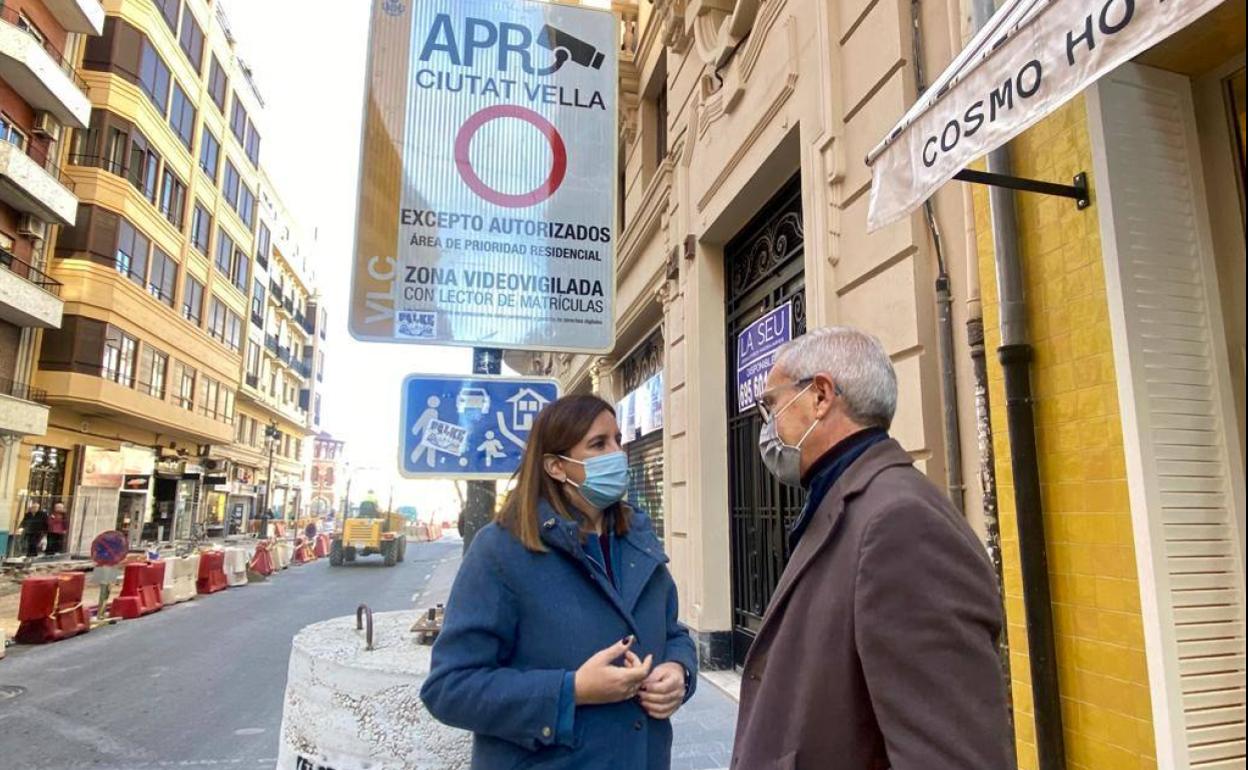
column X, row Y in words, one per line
column 524, row 408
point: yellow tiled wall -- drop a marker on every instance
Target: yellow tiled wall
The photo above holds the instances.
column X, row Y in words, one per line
column 1096, row 602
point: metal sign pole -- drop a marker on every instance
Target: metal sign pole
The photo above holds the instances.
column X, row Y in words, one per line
column 482, row 495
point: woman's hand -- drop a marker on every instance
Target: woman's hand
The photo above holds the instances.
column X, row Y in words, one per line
column 599, row 681
column 663, row 692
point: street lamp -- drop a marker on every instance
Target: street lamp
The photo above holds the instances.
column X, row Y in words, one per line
column 271, row 435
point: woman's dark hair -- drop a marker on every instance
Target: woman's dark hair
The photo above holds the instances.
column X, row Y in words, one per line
column 559, row 427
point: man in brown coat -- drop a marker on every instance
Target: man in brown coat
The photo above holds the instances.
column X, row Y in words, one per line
column 877, row 650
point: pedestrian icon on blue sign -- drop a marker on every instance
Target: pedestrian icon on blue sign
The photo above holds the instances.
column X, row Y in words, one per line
column 468, row 427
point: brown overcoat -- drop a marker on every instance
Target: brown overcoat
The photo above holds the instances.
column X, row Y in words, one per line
column 878, row 649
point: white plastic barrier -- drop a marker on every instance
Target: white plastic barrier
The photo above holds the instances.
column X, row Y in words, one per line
column 180, row 576
column 350, row 708
column 236, row 560
column 283, row 552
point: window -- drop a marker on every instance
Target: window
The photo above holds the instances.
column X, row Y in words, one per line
column 264, row 241
column 216, row 320
column 242, row 270
column 217, row 84
column 153, row 368
column 253, row 145
column 169, row 10
column 9, row 132
column 182, row 116
column 253, row 361
column 225, row 326
column 154, row 76
column 132, row 248
column 192, row 40
column 225, row 252
column 233, row 331
column 209, row 153
column 201, row 228
column 231, row 183
column 26, row 25
column 144, row 170
column 173, row 198
column 119, row 354
column 116, row 149
column 164, row 276
column 246, row 207
column 193, row 301
column 184, row 381
column 238, row 120
column 257, row 303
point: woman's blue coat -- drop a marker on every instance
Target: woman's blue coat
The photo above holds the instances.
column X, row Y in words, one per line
column 518, row 621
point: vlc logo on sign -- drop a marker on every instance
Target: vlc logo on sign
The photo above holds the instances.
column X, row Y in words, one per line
column 487, row 207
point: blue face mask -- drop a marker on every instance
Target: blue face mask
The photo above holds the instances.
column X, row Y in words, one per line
column 606, row 479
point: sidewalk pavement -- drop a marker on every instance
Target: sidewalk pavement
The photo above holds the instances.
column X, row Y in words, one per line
column 703, row 730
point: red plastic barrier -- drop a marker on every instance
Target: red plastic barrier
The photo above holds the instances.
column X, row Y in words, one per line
column 50, row 608
column 322, row 546
column 304, row 552
column 138, row 595
column 262, row 560
column 154, row 584
column 211, row 572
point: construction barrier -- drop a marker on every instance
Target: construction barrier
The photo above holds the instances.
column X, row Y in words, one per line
column 304, row 552
column 322, row 546
column 262, row 560
column 140, row 590
column 211, row 573
column 236, row 559
column 282, row 554
column 50, row 608
column 180, row 576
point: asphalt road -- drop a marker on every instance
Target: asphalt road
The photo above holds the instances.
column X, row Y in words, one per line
column 198, row 684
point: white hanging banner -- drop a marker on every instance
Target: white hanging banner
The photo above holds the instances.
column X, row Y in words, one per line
column 1031, row 58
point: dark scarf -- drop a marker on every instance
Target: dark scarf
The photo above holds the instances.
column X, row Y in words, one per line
column 821, row 476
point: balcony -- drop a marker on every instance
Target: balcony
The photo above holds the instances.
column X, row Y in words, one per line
column 89, row 392
column 305, row 399
column 83, row 16
column 23, row 409
column 253, row 381
column 300, row 320
column 275, row 291
column 257, row 319
column 289, row 304
column 270, row 343
column 40, row 73
column 34, row 188
column 28, row 298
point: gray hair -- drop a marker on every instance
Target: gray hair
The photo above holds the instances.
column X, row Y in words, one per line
column 857, row 363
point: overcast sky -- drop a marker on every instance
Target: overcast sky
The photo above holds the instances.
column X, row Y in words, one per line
column 309, row 66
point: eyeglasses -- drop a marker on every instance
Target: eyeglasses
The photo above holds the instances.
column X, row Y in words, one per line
column 765, row 408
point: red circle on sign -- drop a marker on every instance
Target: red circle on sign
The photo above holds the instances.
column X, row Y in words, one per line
column 109, row 549
column 543, row 191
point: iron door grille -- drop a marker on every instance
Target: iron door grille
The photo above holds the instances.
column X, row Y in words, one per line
column 765, row 269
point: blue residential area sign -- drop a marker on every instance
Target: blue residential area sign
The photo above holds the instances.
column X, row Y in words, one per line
column 468, row 427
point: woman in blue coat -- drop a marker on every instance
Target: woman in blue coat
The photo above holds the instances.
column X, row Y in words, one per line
column 561, row 648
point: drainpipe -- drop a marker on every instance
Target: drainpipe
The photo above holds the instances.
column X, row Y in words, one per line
column 944, row 309
column 1015, row 355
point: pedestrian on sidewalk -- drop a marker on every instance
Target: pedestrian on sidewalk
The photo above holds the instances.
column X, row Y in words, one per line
column 878, row 649
column 58, row 526
column 33, row 527
column 561, row 647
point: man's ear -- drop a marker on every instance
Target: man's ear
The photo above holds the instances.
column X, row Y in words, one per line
column 826, row 391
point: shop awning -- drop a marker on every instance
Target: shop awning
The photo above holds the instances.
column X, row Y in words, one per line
column 1029, row 59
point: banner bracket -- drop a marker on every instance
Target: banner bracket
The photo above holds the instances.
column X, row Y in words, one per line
column 1077, row 191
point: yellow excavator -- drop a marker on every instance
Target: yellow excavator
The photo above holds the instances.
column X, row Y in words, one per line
column 369, row 532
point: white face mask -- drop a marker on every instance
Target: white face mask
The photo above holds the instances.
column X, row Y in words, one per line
column 784, row 461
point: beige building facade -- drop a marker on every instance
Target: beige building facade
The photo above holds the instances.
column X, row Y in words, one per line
column 743, row 129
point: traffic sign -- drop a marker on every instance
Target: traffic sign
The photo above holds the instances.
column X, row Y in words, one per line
column 472, row 427
column 108, row 549
column 487, row 176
